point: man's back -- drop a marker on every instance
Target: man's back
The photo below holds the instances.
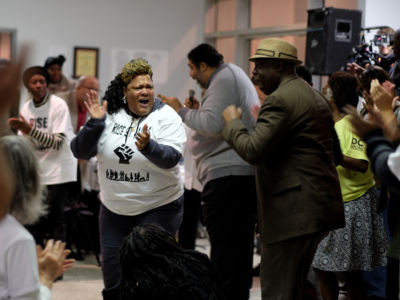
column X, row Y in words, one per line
column 213, row 156
column 299, row 191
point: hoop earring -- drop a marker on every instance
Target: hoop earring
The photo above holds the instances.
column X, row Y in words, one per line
column 124, row 99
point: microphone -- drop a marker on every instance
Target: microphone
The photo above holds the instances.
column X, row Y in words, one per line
column 191, row 95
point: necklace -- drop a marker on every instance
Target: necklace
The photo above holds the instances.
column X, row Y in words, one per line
column 134, row 127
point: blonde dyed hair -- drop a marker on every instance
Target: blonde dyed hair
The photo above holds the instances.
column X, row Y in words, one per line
column 135, row 67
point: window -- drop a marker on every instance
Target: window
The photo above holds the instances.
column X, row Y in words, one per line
column 235, row 27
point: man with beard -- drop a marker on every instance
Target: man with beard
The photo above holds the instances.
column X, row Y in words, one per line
column 228, row 196
column 294, row 148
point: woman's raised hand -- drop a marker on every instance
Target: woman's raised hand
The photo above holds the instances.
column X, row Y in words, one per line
column 93, row 106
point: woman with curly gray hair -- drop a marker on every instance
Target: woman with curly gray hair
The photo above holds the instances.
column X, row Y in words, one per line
column 138, row 142
column 27, row 205
column 25, row 274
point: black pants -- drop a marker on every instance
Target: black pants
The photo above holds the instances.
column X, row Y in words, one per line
column 191, row 218
column 229, row 210
column 53, row 226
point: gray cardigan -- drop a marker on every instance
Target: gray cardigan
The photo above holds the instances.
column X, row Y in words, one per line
column 214, row 158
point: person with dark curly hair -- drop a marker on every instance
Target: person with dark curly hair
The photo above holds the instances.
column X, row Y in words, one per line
column 155, row 266
column 361, row 244
column 138, row 141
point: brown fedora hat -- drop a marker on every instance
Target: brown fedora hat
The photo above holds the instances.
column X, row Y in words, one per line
column 276, row 49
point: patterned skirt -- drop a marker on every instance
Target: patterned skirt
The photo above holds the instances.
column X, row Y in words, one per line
column 361, row 244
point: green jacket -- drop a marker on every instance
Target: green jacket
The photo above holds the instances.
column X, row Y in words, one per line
column 293, row 148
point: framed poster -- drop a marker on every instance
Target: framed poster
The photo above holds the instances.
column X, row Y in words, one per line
column 86, row 62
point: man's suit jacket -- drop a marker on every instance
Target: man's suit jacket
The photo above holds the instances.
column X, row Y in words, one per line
column 293, row 148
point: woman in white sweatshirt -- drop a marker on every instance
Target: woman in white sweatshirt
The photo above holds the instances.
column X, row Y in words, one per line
column 138, row 141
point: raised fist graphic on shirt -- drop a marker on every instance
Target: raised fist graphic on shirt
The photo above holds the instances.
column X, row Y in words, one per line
column 124, row 153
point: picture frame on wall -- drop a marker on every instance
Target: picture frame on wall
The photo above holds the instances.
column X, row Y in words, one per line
column 86, row 61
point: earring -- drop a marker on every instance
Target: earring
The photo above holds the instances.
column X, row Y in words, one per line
column 124, row 99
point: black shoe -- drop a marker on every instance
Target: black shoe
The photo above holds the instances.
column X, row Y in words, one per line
column 111, row 294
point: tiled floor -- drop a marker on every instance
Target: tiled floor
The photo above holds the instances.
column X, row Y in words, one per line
column 84, row 281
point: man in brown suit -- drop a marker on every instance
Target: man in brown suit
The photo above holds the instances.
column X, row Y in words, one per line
column 294, row 148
